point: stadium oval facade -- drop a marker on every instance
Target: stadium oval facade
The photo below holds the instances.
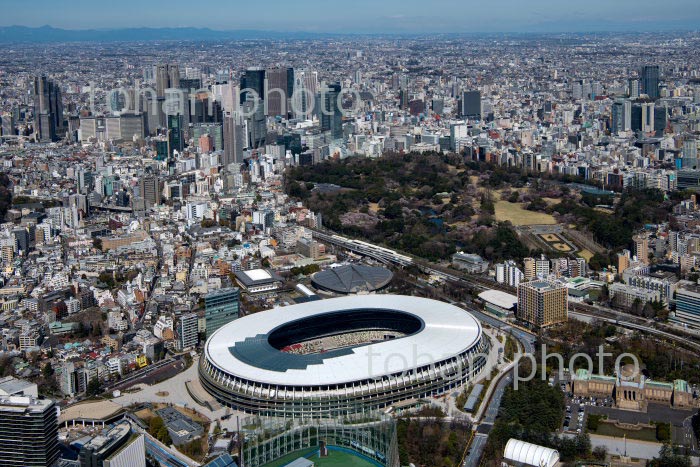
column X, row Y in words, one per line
column 343, row 355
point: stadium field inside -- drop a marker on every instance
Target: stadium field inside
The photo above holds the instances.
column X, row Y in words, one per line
column 334, row 459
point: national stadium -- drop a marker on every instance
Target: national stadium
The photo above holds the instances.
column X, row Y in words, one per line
column 345, row 355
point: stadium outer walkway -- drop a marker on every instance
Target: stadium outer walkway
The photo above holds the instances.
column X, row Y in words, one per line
column 178, row 394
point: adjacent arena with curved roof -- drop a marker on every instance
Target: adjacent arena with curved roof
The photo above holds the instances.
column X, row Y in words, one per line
column 352, row 278
column 342, row 355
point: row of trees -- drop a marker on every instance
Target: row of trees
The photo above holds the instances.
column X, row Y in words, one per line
column 5, row 194
column 533, row 414
column 431, row 443
column 157, row 429
column 659, row 360
column 614, row 231
column 412, row 213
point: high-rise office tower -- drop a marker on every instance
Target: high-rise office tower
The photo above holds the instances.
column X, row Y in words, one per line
column 253, row 79
column 48, row 110
column 175, row 134
column 167, row 76
column 255, row 124
column 643, row 117
column 227, row 94
column 190, row 83
column 8, row 124
column 290, row 82
column 215, row 130
column 650, row 80
column 233, row 139
column 28, row 432
column 85, row 181
column 149, row 189
column 470, row 104
column 403, row 99
column 621, row 116
column 187, row 331
column 660, row 120
column 542, row 303
column 279, row 87
column 221, row 307
column 304, row 92
column 395, row 81
column 203, row 109
column 331, row 112
column 633, row 88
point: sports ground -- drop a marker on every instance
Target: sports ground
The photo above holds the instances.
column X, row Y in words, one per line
column 334, row 459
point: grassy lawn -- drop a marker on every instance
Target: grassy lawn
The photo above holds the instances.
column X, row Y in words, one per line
column 282, row 461
column 585, row 254
column 340, row 459
column 517, row 215
column 334, row 459
column 645, row 434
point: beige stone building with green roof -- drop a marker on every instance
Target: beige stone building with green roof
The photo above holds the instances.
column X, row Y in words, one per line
column 631, row 391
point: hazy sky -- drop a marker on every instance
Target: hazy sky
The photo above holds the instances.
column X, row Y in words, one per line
column 362, row 16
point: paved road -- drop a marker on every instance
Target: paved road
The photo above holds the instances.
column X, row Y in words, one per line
column 526, row 340
column 688, row 436
column 476, row 450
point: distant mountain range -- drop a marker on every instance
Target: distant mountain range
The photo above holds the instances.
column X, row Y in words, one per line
column 25, row 34
column 50, row 34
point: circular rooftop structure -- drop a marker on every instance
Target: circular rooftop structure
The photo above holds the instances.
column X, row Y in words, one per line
column 352, row 278
column 342, row 355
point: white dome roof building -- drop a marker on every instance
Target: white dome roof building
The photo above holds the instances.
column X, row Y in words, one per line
column 520, row 453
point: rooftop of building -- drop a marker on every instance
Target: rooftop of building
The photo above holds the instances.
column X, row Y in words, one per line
column 256, row 277
column 24, row 404
column 353, row 278
column 103, row 442
column 469, row 257
column 10, row 386
column 541, row 285
column 219, row 292
column 501, row 299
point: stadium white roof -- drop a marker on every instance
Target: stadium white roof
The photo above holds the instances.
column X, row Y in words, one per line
column 530, row 454
column 447, row 331
column 500, row 299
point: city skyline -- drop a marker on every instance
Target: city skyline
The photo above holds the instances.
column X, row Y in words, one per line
column 362, row 17
column 247, row 235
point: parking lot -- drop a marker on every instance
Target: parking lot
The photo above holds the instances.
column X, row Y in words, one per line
column 579, row 408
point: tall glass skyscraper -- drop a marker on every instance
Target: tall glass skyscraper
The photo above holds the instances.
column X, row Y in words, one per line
column 220, row 308
column 331, row 115
column 253, row 79
column 650, row 80
column 48, row 110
